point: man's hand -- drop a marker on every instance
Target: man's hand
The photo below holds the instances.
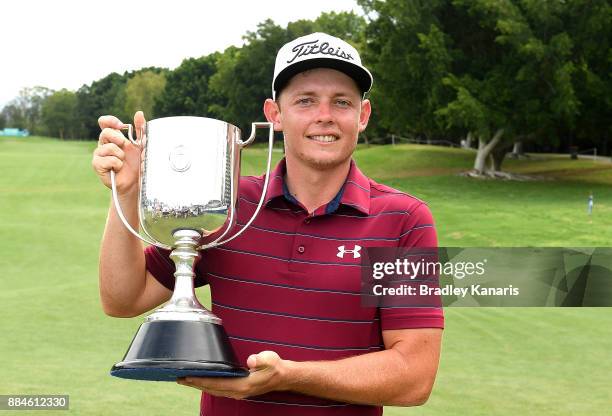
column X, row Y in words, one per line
column 267, row 373
column 401, row 375
column 116, row 152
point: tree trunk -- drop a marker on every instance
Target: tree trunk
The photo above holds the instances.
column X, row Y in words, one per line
column 484, row 149
column 481, row 157
column 61, row 132
column 497, row 158
column 468, row 141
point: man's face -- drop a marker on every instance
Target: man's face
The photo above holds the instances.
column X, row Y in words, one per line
column 321, row 113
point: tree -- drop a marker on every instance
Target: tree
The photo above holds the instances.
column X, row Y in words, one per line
column 98, row 99
column 14, row 116
column 345, row 25
column 522, row 86
column 105, row 96
column 59, row 114
column 590, row 25
column 501, row 70
column 142, row 90
column 243, row 79
column 24, row 111
column 408, row 55
column 187, row 91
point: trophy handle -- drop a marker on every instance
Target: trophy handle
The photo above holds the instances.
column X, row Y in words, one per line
column 116, row 198
column 243, row 144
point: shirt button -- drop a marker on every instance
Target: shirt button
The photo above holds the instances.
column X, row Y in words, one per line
column 301, row 249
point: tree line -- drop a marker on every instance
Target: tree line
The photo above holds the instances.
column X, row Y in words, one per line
column 498, row 73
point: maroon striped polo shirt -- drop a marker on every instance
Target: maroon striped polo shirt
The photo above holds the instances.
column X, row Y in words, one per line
column 291, row 282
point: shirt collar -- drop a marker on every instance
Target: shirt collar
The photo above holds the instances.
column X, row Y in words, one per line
column 355, row 192
column 277, row 183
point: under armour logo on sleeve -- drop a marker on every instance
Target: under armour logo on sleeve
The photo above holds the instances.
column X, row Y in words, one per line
column 355, row 251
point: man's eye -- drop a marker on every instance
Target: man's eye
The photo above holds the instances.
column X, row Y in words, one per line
column 343, row 103
column 304, row 101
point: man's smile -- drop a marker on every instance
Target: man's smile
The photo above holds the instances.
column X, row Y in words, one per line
column 328, row 138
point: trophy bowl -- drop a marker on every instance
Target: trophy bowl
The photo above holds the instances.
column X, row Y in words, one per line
column 189, row 178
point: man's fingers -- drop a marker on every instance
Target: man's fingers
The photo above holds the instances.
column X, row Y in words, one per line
column 107, row 163
column 213, row 383
column 232, row 390
column 110, row 149
column 110, row 122
column 219, row 393
column 110, row 135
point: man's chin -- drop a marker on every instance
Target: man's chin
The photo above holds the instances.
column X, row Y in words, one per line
column 326, row 163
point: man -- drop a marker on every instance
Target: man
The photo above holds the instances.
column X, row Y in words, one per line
column 287, row 290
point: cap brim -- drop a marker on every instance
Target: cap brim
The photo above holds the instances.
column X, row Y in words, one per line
column 362, row 76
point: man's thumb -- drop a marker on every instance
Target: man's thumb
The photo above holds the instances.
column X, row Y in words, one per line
column 263, row 359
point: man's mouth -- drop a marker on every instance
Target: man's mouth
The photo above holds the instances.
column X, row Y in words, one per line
column 323, row 139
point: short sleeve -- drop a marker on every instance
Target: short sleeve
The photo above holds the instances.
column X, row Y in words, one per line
column 418, row 231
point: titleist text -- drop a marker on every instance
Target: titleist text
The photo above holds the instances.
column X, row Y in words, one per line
column 313, row 47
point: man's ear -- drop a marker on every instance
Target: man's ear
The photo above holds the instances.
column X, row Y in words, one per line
column 273, row 115
column 364, row 115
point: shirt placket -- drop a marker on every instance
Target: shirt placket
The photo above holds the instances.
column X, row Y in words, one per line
column 302, row 245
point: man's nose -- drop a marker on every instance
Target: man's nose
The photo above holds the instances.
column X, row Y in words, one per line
column 324, row 114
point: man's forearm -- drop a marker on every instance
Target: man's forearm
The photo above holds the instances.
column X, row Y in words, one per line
column 122, row 269
column 381, row 378
column 401, row 375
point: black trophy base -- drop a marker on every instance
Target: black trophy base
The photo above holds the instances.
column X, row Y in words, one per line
column 167, row 350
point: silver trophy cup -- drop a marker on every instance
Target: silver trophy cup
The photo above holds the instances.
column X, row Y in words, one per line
column 189, row 177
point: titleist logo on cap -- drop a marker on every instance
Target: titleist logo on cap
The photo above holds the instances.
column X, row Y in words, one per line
column 313, row 47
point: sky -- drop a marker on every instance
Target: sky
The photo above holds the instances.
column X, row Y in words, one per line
column 65, row 44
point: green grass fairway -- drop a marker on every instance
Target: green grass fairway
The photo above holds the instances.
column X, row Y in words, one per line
column 55, row 339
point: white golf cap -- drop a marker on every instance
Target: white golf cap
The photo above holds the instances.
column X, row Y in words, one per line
column 319, row 50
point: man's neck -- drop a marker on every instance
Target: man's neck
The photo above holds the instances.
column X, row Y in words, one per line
column 315, row 187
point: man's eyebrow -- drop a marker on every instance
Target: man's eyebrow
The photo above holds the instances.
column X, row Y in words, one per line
column 303, row 92
column 343, row 94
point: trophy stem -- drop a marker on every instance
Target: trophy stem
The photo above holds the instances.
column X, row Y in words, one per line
column 184, row 257
column 184, row 305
